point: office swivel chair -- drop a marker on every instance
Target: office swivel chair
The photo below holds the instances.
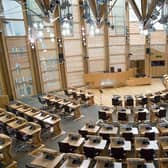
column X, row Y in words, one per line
column 128, row 136
column 122, row 117
column 66, row 148
column 150, row 135
column 142, row 117
column 102, row 115
column 67, row 93
column 43, row 103
column 161, row 114
column 67, row 111
column 84, row 99
column 90, row 152
column 83, row 133
column 117, row 153
column 147, row 154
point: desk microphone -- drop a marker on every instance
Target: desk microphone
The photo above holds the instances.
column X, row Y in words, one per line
column 100, row 90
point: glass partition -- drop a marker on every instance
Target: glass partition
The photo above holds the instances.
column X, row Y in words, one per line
column 17, row 48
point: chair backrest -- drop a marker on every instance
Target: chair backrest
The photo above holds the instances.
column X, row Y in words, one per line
column 122, row 116
column 83, row 133
column 66, row 92
column 157, row 98
column 102, row 115
column 129, row 101
column 117, row 152
column 63, row 147
column 90, row 152
column 141, row 116
column 147, row 154
column 162, row 113
column 41, row 100
column 128, row 136
column 150, row 135
column 144, row 101
column 116, row 101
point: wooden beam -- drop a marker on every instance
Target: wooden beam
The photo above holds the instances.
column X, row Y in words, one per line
column 47, row 4
column 151, row 8
column 57, row 30
column 84, row 47
column 136, row 10
column 143, row 8
column 41, row 6
column 93, row 7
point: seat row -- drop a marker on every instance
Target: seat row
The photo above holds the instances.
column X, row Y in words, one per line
column 64, row 107
column 143, row 100
column 46, row 158
column 137, row 114
column 51, row 122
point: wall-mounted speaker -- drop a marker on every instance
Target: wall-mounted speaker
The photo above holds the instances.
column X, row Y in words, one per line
column 147, row 50
column 61, row 58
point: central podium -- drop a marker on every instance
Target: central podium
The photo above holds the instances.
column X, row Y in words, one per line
column 114, row 79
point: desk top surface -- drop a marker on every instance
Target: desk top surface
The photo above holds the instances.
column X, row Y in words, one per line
column 76, row 143
column 42, row 161
column 101, row 145
column 69, row 164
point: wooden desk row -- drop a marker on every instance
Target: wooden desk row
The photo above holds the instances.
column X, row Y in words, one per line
column 143, row 100
column 138, row 113
column 82, row 94
column 9, row 122
column 49, row 158
column 64, row 103
column 111, row 130
column 34, row 114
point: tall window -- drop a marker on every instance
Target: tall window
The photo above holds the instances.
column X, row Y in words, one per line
column 17, row 48
column 117, row 36
column 43, row 34
column 73, row 51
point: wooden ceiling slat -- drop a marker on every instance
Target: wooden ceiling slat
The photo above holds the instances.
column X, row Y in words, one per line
column 151, row 8
column 143, row 8
column 92, row 4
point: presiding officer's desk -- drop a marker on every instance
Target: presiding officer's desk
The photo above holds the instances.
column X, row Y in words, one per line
column 97, row 80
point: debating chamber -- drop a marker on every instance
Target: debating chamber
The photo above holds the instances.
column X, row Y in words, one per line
column 83, row 83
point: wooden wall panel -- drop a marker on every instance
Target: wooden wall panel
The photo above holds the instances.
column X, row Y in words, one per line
column 137, row 39
column 75, row 79
column 96, row 65
column 137, row 51
column 116, row 40
column 158, row 37
column 74, row 64
column 116, row 50
column 97, row 41
column 117, row 59
column 47, row 44
column 51, row 86
column 95, row 53
column 72, row 47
